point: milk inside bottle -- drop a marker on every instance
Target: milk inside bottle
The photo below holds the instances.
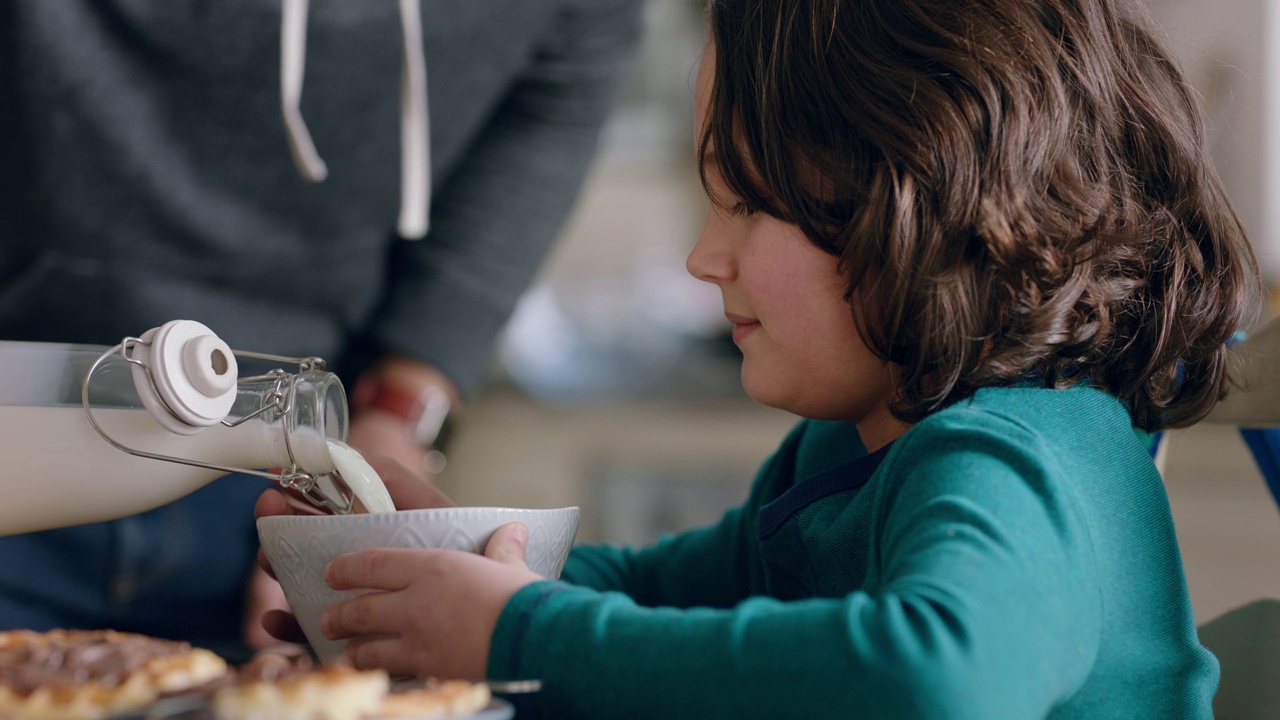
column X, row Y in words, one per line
column 90, row 433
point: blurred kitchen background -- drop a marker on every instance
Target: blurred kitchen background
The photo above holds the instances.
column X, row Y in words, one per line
column 617, row 386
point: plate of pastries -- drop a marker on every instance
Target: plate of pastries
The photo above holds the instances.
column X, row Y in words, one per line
column 110, row 675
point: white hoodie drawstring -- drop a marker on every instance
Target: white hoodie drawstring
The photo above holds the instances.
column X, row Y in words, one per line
column 415, row 145
column 293, row 59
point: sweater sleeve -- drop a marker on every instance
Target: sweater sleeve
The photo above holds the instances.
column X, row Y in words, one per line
column 981, row 603
column 496, row 215
column 715, row 566
column 700, row 567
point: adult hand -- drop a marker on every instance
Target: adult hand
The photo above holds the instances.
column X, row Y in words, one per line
column 434, row 611
column 408, row 491
column 265, row 598
column 377, row 431
column 374, row 432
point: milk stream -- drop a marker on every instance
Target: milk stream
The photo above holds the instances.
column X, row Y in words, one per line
column 360, row 477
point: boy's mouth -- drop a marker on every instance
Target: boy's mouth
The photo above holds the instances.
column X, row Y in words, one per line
column 740, row 332
column 742, row 326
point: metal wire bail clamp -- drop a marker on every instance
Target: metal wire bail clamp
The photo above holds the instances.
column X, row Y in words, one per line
column 203, row 396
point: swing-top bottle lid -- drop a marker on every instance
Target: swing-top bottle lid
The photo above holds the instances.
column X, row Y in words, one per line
column 192, row 380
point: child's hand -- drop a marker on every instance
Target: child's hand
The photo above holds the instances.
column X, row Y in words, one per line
column 407, row 490
column 437, row 608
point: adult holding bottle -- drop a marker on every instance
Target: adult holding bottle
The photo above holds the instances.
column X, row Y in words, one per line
column 428, row 155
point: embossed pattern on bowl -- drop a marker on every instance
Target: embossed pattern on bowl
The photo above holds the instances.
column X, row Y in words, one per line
column 299, row 546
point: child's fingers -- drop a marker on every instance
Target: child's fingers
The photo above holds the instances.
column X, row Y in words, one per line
column 375, row 613
column 390, row 654
column 377, row 569
column 508, row 544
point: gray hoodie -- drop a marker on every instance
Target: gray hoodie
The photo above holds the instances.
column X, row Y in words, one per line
column 146, row 175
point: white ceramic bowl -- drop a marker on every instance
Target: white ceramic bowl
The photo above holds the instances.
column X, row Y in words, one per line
column 299, row 546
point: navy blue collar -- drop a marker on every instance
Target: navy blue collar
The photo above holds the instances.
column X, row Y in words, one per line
column 846, row 476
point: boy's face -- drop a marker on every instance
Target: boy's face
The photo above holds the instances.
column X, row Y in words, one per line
column 800, row 345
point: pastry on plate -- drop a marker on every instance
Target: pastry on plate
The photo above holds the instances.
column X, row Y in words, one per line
column 436, row 699
column 278, row 687
column 90, row 674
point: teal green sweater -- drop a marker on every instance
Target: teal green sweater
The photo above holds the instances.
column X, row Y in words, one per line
column 1012, row 556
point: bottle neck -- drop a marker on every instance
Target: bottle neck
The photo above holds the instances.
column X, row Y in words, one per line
column 293, row 417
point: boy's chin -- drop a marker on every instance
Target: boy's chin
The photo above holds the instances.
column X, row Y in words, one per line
column 768, row 395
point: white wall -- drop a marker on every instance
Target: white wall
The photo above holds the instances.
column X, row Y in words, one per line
column 1224, row 47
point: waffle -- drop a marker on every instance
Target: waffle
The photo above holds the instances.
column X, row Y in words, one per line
column 89, row 674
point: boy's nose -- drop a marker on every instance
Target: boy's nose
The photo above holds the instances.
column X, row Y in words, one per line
column 708, row 260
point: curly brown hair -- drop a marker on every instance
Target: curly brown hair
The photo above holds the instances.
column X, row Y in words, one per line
column 1015, row 189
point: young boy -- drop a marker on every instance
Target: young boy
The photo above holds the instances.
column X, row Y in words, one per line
column 974, row 242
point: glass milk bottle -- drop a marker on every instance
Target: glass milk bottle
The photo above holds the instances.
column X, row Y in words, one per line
column 90, row 433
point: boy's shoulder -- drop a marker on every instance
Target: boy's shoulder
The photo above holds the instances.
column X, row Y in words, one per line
column 1036, row 406
column 1035, row 420
column 1021, row 415
column 1065, row 444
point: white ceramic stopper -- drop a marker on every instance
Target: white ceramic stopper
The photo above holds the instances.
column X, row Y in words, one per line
column 192, row 376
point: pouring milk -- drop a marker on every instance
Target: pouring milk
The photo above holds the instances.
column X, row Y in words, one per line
column 360, row 476
column 82, row 427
